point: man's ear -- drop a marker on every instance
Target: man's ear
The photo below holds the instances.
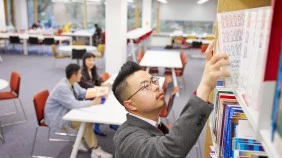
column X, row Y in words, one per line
column 128, row 104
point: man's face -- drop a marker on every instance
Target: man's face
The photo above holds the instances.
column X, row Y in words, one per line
column 78, row 75
column 148, row 99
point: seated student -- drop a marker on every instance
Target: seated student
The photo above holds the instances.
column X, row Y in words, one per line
column 36, row 25
column 143, row 135
column 68, row 95
column 90, row 79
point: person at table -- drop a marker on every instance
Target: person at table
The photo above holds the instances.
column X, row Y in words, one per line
column 36, row 25
column 68, row 95
column 97, row 35
column 90, row 79
column 143, row 135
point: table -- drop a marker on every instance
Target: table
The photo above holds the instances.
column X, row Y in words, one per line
column 25, row 37
column 167, row 59
column 69, row 48
column 3, row 84
column 135, row 35
column 80, row 34
column 111, row 112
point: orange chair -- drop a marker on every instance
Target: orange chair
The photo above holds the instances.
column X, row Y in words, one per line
column 167, row 108
column 105, row 76
column 167, row 80
column 13, row 94
column 39, row 101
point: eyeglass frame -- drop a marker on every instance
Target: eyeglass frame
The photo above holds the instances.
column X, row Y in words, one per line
column 144, row 86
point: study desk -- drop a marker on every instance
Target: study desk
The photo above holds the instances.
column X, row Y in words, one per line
column 111, row 112
column 24, row 37
column 167, row 59
column 137, row 34
column 80, row 34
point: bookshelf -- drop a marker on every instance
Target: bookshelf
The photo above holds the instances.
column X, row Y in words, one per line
column 252, row 114
column 268, row 144
column 260, row 119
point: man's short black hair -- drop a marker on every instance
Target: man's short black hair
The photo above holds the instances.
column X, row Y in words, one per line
column 120, row 83
column 72, row 69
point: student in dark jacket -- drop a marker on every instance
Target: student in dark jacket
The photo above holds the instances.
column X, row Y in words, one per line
column 143, row 134
column 90, row 79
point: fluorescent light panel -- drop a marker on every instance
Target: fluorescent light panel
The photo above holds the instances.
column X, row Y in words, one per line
column 163, row 1
column 202, row 1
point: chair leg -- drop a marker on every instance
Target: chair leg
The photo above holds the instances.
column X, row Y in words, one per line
column 36, row 156
column 17, row 122
column 58, row 140
column 2, row 133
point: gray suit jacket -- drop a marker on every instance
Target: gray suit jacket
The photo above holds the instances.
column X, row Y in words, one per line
column 139, row 139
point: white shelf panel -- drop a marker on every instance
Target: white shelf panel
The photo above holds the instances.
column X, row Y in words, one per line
column 252, row 114
column 268, row 144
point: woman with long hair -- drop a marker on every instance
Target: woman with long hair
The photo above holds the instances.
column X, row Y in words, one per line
column 90, row 79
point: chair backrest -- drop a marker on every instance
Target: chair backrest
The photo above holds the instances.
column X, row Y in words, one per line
column 167, row 80
column 15, row 81
column 140, row 55
column 167, row 108
column 14, row 39
column 105, row 76
column 78, row 43
column 101, row 49
column 39, row 101
column 49, row 41
column 33, row 40
column 78, row 53
column 54, row 50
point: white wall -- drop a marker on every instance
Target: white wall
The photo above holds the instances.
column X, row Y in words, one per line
column 20, row 8
column 116, row 28
column 2, row 16
column 188, row 10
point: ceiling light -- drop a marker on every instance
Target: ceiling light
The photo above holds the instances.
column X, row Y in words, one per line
column 163, row 1
column 202, row 1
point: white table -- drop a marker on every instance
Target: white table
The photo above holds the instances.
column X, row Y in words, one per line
column 25, row 37
column 80, row 34
column 69, row 48
column 134, row 35
column 111, row 112
column 3, row 84
column 167, row 59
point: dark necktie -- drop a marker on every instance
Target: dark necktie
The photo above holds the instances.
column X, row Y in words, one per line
column 74, row 93
column 162, row 128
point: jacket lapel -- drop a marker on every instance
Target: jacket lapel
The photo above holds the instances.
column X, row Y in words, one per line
column 134, row 121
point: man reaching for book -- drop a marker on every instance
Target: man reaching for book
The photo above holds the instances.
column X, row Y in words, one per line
column 143, row 135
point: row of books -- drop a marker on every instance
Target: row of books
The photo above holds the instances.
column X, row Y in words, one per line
column 231, row 132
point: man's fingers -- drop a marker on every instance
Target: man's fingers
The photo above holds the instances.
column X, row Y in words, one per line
column 209, row 50
column 218, row 57
column 221, row 62
column 219, row 74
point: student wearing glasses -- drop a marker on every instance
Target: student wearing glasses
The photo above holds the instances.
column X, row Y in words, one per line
column 143, row 135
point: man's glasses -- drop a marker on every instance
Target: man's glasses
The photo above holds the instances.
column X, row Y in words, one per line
column 147, row 85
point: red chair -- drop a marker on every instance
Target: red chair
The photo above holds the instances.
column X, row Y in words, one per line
column 167, row 108
column 167, row 80
column 105, row 76
column 39, row 101
column 13, row 94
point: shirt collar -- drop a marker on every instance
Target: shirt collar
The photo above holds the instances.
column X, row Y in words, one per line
column 153, row 123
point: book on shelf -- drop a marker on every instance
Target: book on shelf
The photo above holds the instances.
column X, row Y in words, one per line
column 97, row 91
column 277, row 111
column 244, row 35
